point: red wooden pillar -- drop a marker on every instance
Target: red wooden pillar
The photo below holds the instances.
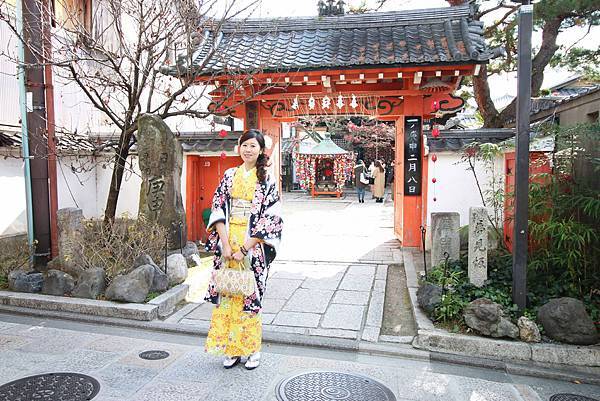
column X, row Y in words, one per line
column 409, row 211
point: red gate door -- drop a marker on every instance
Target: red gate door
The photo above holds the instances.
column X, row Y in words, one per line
column 538, row 163
column 203, row 176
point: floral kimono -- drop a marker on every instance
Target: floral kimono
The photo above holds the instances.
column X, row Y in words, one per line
column 236, row 322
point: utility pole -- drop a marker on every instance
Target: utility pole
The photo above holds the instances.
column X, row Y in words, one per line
column 36, row 125
column 521, row 205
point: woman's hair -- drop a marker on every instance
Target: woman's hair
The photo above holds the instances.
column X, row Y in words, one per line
column 263, row 159
column 378, row 164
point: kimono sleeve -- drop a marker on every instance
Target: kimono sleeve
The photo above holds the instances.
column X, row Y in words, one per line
column 268, row 225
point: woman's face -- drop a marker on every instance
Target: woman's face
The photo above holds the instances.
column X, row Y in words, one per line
column 249, row 151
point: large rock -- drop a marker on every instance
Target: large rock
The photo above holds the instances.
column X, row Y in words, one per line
column 161, row 162
column 58, row 283
column 25, row 281
column 429, row 296
column 528, row 330
column 189, row 250
column 132, row 287
column 91, row 283
column 177, row 269
column 160, row 282
column 566, row 320
column 489, row 319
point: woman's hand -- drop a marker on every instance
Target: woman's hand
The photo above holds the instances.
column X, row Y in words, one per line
column 238, row 256
column 226, row 251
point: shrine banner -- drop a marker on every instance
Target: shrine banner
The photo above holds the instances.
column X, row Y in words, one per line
column 412, row 155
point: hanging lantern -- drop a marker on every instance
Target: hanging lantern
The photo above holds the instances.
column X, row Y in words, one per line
column 434, row 180
column 222, row 133
column 311, row 103
column 340, row 102
column 223, row 155
column 434, row 157
column 435, row 132
column 354, row 103
column 295, row 104
column 435, row 105
column 326, row 102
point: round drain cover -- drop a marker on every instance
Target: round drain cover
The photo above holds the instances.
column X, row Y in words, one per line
column 154, row 355
column 51, row 387
column 327, row 386
column 570, row 397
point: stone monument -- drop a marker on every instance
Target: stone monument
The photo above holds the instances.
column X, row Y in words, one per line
column 161, row 162
column 444, row 237
column 478, row 245
column 70, row 228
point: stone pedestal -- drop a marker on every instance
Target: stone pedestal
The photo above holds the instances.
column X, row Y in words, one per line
column 444, row 236
column 478, row 245
column 161, row 162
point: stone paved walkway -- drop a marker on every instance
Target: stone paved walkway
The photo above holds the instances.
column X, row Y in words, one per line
column 31, row 346
column 330, row 277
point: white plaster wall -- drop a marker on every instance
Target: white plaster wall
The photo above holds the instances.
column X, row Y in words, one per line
column 13, row 217
column 455, row 189
column 129, row 196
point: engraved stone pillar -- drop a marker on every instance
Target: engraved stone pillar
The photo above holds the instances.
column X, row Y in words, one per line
column 444, row 236
column 161, row 162
column 478, row 245
column 70, row 228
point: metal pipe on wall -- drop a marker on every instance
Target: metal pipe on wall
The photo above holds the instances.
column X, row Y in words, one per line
column 24, row 133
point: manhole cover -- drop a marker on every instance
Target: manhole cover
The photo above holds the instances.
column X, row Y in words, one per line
column 570, row 397
column 327, row 386
column 154, row 355
column 51, row 387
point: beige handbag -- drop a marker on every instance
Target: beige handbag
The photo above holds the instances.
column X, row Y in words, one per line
column 232, row 281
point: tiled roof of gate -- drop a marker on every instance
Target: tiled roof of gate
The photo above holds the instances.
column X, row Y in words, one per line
column 411, row 37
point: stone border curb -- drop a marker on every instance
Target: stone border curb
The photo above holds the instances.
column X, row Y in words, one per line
column 92, row 307
column 167, row 301
column 436, row 340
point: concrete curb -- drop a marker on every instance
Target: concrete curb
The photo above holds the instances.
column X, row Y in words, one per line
column 436, row 340
column 86, row 307
column 159, row 306
column 167, row 301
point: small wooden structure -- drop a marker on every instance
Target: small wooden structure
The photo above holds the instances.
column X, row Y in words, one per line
column 325, row 168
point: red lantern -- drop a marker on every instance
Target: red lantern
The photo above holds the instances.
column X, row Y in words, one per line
column 223, row 155
column 434, row 157
column 433, row 180
column 435, row 132
column 222, row 133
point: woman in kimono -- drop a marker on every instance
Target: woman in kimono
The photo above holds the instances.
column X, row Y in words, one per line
column 379, row 186
column 245, row 225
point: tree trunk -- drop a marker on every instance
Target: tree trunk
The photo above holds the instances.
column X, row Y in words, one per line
column 117, row 178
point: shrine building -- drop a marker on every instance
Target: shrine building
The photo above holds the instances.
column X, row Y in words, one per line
column 398, row 66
